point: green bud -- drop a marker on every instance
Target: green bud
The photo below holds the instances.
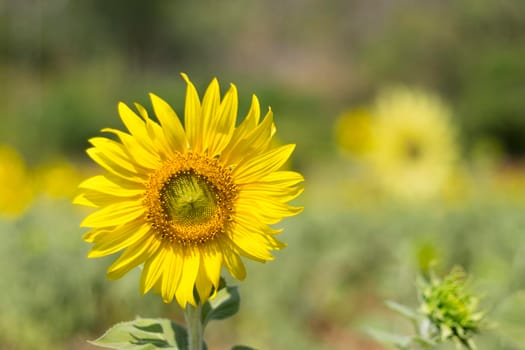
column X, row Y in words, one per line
column 451, row 310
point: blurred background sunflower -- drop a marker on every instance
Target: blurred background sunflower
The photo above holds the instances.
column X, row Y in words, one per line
column 414, row 145
column 431, row 173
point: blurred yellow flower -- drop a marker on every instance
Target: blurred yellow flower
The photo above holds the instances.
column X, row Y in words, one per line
column 414, row 147
column 185, row 201
column 354, row 132
column 17, row 192
column 57, row 179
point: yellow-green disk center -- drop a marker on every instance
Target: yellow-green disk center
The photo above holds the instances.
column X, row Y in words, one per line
column 189, row 199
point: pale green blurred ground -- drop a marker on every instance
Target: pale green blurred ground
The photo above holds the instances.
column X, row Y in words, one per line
column 64, row 65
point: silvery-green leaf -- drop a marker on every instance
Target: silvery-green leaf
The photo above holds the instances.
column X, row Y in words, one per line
column 144, row 334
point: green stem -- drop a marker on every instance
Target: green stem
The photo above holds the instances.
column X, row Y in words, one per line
column 194, row 323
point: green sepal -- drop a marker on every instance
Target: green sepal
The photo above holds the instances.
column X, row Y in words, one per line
column 225, row 304
column 144, row 334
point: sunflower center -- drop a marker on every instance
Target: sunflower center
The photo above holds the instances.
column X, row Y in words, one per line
column 190, row 199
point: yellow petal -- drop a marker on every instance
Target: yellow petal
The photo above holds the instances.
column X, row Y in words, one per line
column 173, row 267
column 142, row 152
column 255, row 141
column 251, row 242
column 269, row 212
column 203, row 285
column 184, row 293
column 81, row 199
column 283, row 178
column 212, row 263
column 114, row 214
column 117, row 168
column 259, row 190
column 260, row 234
column 249, row 122
column 263, row 164
column 92, row 235
column 170, row 122
column 142, row 111
column 99, row 199
column 116, row 152
column 101, row 183
column 245, row 128
column 138, row 182
column 118, row 239
column 222, row 124
column 252, row 118
column 153, row 269
column 233, row 262
column 192, row 114
column 134, row 124
column 204, row 125
column 133, row 256
column 155, row 133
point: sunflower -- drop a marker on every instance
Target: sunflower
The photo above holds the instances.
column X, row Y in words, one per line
column 186, row 201
column 414, row 150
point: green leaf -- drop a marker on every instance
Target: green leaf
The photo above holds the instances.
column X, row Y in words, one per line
column 400, row 341
column 224, row 305
column 242, row 347
column 403, row 310
column 144, row 334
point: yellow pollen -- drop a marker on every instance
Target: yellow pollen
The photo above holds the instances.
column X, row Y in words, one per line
column 190, row 199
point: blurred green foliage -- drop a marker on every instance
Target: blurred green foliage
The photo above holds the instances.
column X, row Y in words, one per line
column 65, row 64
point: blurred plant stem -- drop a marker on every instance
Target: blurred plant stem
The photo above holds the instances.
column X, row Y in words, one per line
column 193, row 316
